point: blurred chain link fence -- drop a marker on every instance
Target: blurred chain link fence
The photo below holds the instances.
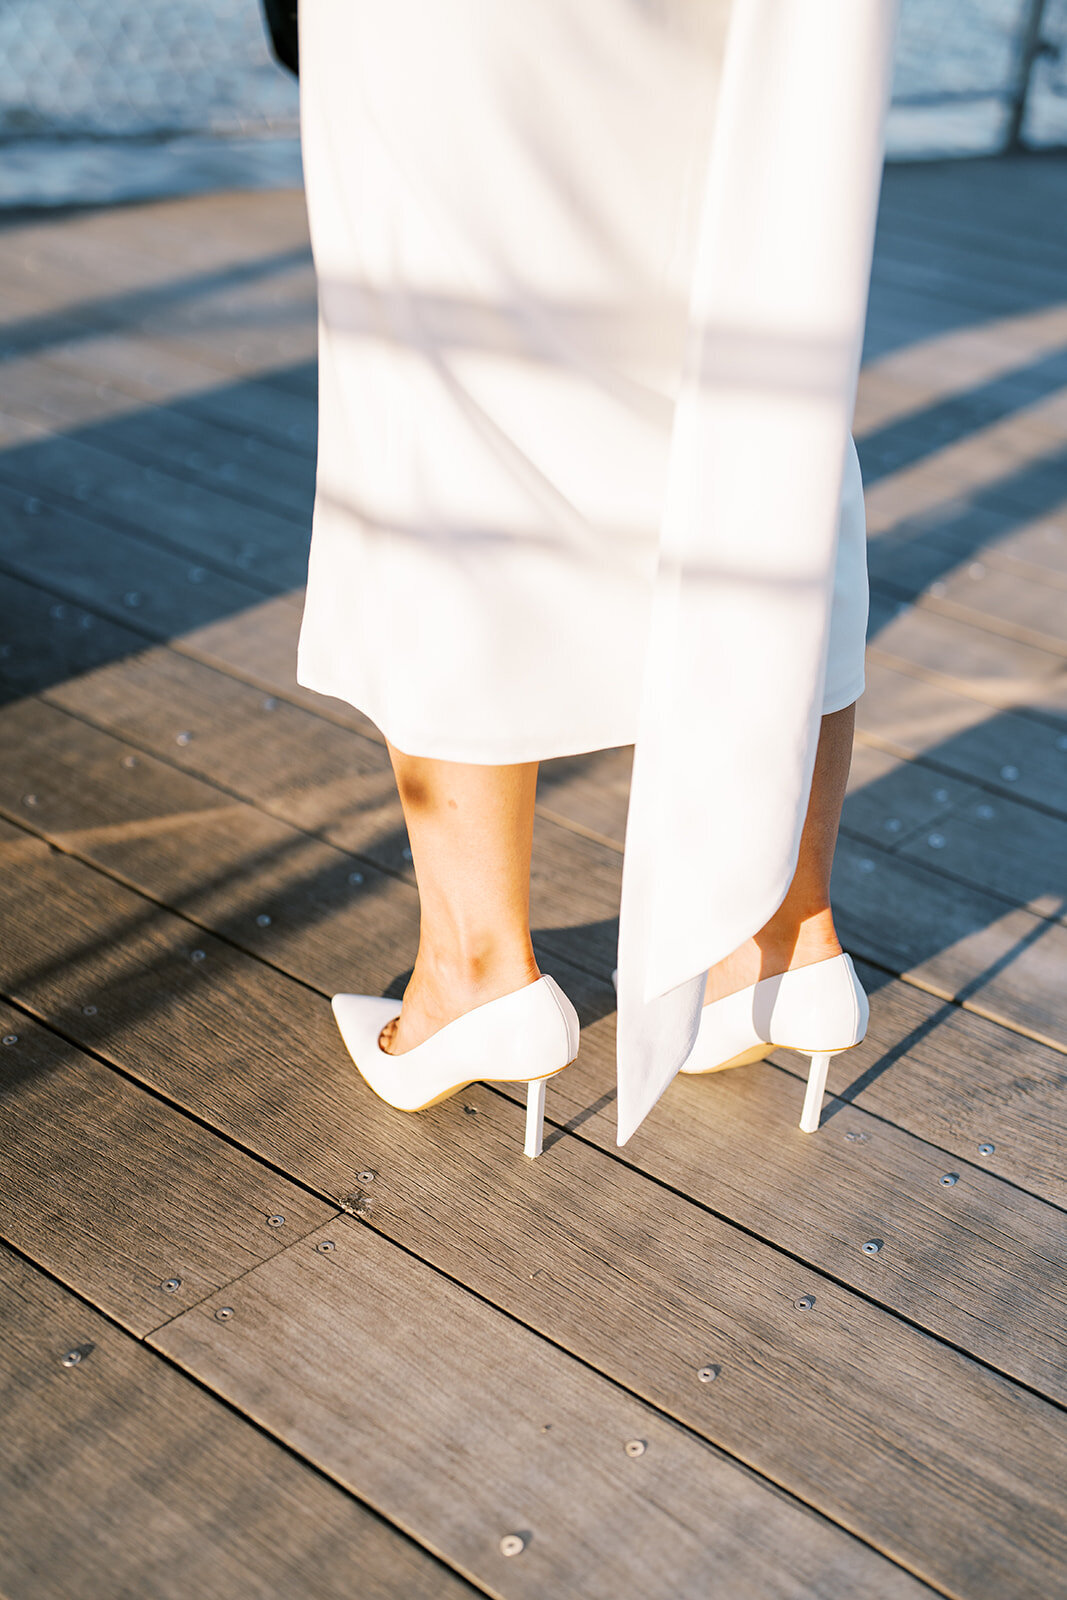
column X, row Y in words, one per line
column 973, row 76
column 105, row 98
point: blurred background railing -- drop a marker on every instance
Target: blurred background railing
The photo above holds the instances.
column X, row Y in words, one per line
column 108, row 99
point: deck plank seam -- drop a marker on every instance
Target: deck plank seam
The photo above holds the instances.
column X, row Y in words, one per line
column 220, row 1399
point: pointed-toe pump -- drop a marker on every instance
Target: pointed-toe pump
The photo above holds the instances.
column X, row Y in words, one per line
column 523, row 1037
column 819, row 1010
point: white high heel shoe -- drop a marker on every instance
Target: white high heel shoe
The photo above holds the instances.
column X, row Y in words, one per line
column 819, row 1010
column 523, row 1037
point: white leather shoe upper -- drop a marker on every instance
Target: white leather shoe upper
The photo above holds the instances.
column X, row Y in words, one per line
column 531, row 1033
column 815, row 1009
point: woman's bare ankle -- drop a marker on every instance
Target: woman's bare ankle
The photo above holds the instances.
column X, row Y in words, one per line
column 443, row 987
column 781, row 946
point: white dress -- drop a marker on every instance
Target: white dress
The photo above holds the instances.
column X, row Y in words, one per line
column 592, row 280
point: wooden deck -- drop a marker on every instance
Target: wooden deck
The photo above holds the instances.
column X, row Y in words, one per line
column 262, row 1336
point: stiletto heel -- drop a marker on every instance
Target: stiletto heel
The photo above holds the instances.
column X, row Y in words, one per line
column 819, row 1010
column 809, row 1117
column 535, row 1116
column 523, row 1037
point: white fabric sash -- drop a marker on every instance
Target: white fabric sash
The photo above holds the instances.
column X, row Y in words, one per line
column 737, row 649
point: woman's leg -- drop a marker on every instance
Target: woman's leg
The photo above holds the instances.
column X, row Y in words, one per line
column 471, row 833
column 802, row 929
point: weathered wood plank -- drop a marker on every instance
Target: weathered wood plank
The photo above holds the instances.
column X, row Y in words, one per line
column 50, row 403
column 110, row 570
column 159, row 507
column 117, row 1194
column 293, row 1117
column 1001, row 961
column 971, row 661
column 534, row 1442
column 949, row 1311
column 255, row 880
column 121, row 1477
column 136, row 821
column 1018, row 756
column 957, row 942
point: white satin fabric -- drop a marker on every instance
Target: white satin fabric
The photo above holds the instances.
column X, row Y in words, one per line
column 592, row 281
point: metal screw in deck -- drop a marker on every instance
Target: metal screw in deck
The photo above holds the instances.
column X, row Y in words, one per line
column 512, row 1544
column 950, row 1178
column 635, row 1447
column 708, row 1374
column 986, row 1149
column 872, row 1247
column 805, row 1303
column 171, row 1285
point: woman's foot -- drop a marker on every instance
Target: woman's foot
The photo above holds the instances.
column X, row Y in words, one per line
column 775, row 949
column 437, row 995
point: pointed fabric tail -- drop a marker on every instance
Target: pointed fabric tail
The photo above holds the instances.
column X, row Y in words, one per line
column 736, row 660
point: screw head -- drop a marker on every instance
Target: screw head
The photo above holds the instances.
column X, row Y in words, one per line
column 355, row 877
column 75, row 1357
column 11, row 1038
column 88, row 1011
column 277, row 1221
column 892, row 825
column 986, row 1149
column 872, row 1247
column 324, row 1246
column 131, row 598
column 197, row 574
column 223, row 1314
column 708, row 1374
column 866, row 865
column 512, row 1544
column 197, row 955
column 171, row 1285
column 270, row 703
column 368, row 1175
column 263, row 921
column 183, row 738
column 950, row 1178
column 857, row 1136
column 805, row 1303
column 130, row 761
column 58, row 612
column 406, row 852
column 29, row 799
column 635, row 1447
column 936, row 841
column 1009, row 774
column 984, row 813
column 941, row 796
